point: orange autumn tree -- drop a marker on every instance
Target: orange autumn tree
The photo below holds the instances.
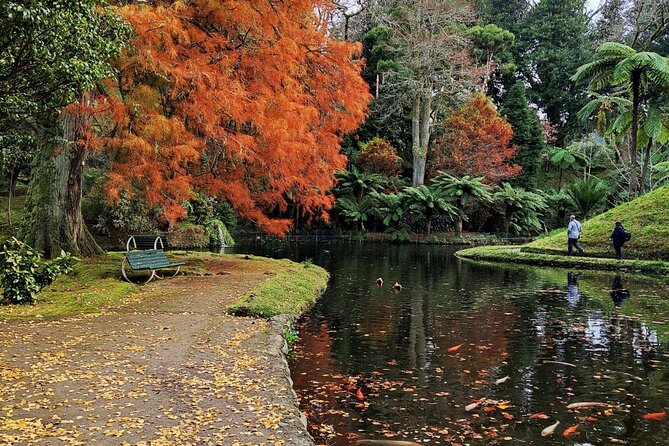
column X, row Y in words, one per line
column 246, row 100
column 476, row 142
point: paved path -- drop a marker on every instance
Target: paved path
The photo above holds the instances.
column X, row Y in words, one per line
column 169, row 369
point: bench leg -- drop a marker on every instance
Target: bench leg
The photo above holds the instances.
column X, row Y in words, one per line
column 167, row 277
column 125, row 275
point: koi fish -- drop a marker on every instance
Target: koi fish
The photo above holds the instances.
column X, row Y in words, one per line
column 657, row 416
column 538, row 416
column 502, row 380
column 570, row 431
column 586, row 405
column 471, row 406
column 550, row 429
column 455, row 348
column 359, row 395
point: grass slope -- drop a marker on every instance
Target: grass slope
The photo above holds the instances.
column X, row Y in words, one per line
column 647, row 218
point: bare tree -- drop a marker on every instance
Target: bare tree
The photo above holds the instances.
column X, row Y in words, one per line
column 434, row 68
column 648, row 19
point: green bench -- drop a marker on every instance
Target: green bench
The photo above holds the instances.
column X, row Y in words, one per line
column 149, row 260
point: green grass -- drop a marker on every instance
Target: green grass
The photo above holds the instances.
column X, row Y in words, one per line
column 647, row 218
column 292, row 290
column 93, row 285
column 517, row 254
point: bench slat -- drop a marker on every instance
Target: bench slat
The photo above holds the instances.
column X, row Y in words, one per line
column 149, row 259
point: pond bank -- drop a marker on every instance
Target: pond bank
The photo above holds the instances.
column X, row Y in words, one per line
column 516, row 254
column 166, row 365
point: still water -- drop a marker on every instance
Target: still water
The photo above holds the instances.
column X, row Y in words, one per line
column 474, row 354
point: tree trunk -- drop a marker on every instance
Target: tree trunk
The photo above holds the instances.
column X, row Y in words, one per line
column 54, row 221
column 420, row 135
column 646, row 167
column 458, row 227
column 428, row 224
column 634, row 168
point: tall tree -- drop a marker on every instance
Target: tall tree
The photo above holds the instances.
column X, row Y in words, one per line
column 639, row 77
column 554, row 43
column 528, row 136
column 244, row 100
column 492, row 48
column 610, row 27
column 434, row 65
column 476, row 141
column 53, row 53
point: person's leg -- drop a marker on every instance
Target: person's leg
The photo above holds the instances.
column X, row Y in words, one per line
column 570, row 242
column 580, row 250
column 619, row 251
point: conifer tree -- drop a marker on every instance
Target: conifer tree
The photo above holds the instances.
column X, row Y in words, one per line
column 528, row 136
column 554, row 44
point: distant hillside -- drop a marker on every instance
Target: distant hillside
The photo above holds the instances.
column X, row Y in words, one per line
column 647, row 218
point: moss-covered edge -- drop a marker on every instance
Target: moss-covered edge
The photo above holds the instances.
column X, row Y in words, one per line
column 513, row 254
column 292, row 290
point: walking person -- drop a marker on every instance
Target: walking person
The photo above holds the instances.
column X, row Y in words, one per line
column 574, row 230
column 618, row 237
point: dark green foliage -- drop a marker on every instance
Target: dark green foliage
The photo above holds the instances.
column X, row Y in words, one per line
column 23, row 273
column 611, row 23
column 520, row 210
column 428, row 202
column 587, row 195
column 527, row 134
column 356, row 211
column 128, row 216
column 553, row 44
column 565, row 159
column 357, row 183
column 51, row 52
column 462, row 193
column 635, row 82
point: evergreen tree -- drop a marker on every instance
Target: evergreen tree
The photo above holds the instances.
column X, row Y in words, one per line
column 528, row 136
column 554, row 44
column 611, row 25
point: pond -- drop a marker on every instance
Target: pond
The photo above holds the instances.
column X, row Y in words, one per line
column 470, row 353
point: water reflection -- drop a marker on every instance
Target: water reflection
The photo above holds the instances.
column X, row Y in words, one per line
column 618, row 293
column 573, row 295
column 453, row 335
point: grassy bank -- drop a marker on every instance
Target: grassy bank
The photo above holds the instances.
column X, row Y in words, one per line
column 93, row 285
column 292, row 290
column 647, row 218
column 96, row 284
column 517, row 254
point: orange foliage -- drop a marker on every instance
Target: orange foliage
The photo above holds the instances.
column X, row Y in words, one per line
column 476, row 142
column 241, row 99
column 378, row 156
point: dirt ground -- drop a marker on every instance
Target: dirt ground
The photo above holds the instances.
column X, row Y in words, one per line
column 168, row 368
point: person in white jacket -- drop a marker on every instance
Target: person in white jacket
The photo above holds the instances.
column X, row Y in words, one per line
column 574, row 230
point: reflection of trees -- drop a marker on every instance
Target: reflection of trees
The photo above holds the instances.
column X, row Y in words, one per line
column 511, row 321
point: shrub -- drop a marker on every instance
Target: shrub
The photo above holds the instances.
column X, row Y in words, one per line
column 23, row 273
column 378, row 156
column 126, row 215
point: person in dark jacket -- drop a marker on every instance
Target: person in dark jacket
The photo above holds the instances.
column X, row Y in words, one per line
column 618, row 237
